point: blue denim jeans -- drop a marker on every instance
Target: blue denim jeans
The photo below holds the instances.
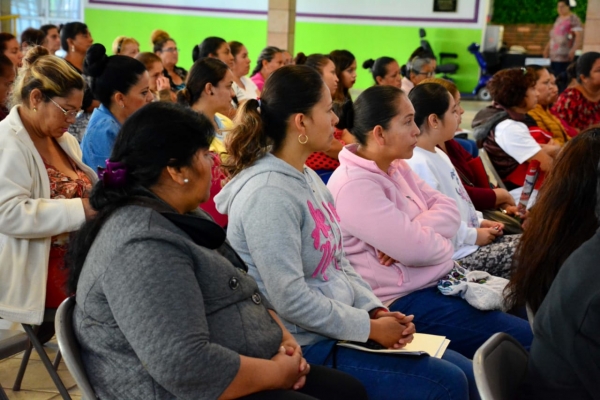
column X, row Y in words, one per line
column 466, row 327
column 389, row 376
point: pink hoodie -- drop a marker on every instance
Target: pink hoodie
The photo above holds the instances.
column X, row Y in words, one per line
column 398, row 214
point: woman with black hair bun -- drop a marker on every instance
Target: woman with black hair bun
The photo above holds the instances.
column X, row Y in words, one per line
column 385, row 71
column 121, row 84
column 214, row 47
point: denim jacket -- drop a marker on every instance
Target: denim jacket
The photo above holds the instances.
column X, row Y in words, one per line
column 99, row 137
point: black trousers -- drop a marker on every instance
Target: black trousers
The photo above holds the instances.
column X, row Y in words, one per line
column 321, row 383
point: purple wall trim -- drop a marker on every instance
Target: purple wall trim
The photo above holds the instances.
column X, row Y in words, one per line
column 474, row 19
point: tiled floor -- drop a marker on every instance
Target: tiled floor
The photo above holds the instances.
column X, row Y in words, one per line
column 37, row 384
column 471, row 108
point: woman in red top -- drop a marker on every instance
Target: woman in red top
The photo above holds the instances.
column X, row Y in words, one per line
column 579, row 106
column 324, row 163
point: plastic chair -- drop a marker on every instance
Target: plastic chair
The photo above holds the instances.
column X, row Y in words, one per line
column 500, row 365
column 69, row 347
column 11, row 343
column 51, row 367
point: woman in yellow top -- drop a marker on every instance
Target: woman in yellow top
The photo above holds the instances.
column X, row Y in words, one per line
column 208, row 91
column 547, row 95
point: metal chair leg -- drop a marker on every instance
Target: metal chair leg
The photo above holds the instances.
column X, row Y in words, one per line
column 46, row 361
column 22, row 368
column 56, row 361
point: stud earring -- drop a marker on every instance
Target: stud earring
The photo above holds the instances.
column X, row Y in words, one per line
column 72, row 49
column 34, row 109
column 186, row 180
column 122, row 105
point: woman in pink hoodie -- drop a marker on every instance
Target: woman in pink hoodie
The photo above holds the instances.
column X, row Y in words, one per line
column 397, row 230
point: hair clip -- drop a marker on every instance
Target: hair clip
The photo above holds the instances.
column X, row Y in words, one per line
column 114, row 175
column 524, row 70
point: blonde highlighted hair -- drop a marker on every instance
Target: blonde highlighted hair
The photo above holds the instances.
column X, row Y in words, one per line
column 51, row 75
column 120, row 42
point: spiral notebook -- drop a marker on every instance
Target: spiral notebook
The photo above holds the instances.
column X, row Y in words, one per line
column 422, row 344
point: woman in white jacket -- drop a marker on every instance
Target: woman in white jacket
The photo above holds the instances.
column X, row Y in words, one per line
column 43, row 186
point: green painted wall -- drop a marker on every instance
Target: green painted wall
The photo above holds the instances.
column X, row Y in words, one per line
column 365, row 41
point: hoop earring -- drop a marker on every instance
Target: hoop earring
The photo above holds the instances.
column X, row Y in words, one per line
column 303, row 141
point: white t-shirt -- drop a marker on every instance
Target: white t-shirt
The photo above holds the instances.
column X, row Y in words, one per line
column 514, row 138
column 437, row 170
column 250, row 91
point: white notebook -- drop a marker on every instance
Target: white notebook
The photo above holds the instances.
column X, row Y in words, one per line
column 432, row 345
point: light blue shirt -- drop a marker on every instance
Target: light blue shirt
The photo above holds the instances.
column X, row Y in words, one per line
column 99, row 138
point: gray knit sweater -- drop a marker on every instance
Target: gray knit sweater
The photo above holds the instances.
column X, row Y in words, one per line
column 160, row 317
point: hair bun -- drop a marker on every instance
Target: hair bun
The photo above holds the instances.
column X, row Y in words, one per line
column 95, row 60
column 158, row 35
column 368, row 64
column 34, row 54
column 300, row 58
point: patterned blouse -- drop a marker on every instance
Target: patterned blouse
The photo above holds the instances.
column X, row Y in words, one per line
column 576, row 110
column 64, row 187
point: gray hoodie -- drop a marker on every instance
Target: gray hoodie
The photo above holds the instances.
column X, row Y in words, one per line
column 284, row 226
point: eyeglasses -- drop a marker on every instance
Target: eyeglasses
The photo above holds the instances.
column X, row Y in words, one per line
column 171, row 50
column 68, row 114
column 429, row 74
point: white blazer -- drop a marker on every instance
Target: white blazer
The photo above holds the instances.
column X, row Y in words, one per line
column 29, row 218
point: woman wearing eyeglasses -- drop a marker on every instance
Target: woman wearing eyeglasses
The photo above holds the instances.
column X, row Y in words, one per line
column 121, row 84
column 419, row 68
column 44, row 186
column 166, row 48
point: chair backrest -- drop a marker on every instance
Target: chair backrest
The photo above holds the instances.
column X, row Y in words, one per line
column 500, row 365
column 69, row 347
column 487, row 163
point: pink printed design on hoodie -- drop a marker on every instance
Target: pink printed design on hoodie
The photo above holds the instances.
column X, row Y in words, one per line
column 322, row 227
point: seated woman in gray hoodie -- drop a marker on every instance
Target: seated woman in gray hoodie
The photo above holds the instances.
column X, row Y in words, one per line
column 283, row 223
column 165, row 308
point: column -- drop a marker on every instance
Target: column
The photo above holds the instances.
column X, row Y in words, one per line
column 591, row 31
column 282, row 24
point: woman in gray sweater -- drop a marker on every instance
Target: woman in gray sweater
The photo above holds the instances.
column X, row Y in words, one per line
column 165, row 307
